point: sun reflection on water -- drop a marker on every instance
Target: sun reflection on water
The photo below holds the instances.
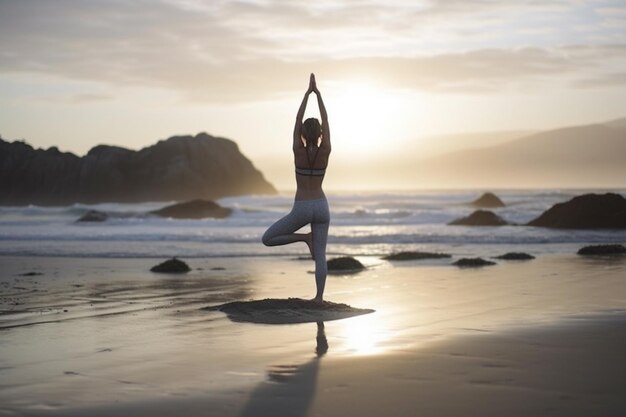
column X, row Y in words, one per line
column 364, row 335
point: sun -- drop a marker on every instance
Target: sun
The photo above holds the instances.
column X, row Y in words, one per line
column 363, row 117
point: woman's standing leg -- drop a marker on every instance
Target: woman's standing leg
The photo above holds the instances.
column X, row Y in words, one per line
column 319, row 230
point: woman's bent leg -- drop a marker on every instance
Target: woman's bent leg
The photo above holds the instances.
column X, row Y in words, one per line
column 283, row 231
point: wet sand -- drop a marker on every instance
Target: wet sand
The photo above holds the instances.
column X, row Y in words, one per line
column 574, row 368
column 106, row 337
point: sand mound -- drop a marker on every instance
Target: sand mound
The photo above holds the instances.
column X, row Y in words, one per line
column 287, row 311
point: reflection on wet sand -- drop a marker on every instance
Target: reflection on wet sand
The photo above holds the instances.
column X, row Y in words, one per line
column 321, row 346
column 290, row 389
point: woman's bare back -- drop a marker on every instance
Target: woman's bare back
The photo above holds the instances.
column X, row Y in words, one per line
column 309, row 187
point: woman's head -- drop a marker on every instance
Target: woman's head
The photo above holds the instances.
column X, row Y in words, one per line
column 311, row 131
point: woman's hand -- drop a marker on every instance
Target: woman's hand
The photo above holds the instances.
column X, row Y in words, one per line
column 313, row 85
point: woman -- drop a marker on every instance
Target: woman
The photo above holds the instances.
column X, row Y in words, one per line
column 311, row 149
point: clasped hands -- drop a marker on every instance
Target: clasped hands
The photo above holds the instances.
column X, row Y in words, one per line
column 313, row 86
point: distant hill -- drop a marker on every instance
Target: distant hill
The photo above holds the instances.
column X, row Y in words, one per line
column 179, row 168
column 581, row 156
column 440, row 144
column 619, row 123
column 387, row 168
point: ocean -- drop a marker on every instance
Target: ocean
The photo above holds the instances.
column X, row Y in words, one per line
column 362, row 224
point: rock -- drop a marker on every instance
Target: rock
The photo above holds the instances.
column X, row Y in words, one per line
column 588, row 211
column 173, row 265
column 472, row 262
column 488, row 200
column 195, row 209
column 93, row 216
column 480, row 218
column 30, row 274
column 177, row 169
column 603, row 250
column 345, row 263
column 516, row 256
column 411, row 256
column 287, row 311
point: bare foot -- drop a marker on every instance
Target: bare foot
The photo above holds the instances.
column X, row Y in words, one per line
column 309, row 243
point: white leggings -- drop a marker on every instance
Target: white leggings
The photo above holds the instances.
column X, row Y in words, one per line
column 282, row 232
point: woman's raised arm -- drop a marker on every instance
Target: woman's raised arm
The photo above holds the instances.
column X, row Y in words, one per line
column 325, row 128
column 297, row 135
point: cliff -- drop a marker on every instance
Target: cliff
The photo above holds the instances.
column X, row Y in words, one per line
column 178, row 168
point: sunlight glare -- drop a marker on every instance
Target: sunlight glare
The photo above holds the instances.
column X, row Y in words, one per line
column 364, row 118
column 364, row 335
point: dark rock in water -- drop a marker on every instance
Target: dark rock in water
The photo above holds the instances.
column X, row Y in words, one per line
column 287, row 311
column 173, row 265
column 30, row 274
column 603, row 250
column 344, row 264
column 195, row 209
column 302, row 258
column 488, row 200
column 472, row 262
column 177, row 169
column 588, row 211
column 93, row 216
column 516, row 256
column 411, row 256
column 480, row 218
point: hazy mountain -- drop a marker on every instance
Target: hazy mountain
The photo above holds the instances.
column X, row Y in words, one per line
column 386, row 166
column 619, row 123
column 581, row 156
column 436, row 145
column 179, row 168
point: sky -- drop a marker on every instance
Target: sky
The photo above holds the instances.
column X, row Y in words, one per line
column 74, row 74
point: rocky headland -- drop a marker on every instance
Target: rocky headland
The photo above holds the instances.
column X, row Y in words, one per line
column 176, row 169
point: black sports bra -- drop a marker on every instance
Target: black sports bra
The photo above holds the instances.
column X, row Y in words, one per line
column 310, row 171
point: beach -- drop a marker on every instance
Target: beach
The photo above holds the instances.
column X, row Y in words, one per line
column 456, row 170
column 104, row 336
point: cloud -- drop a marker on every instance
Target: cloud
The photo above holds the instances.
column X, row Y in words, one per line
column 219, row 50
column 81, row 98
column 614, row 79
